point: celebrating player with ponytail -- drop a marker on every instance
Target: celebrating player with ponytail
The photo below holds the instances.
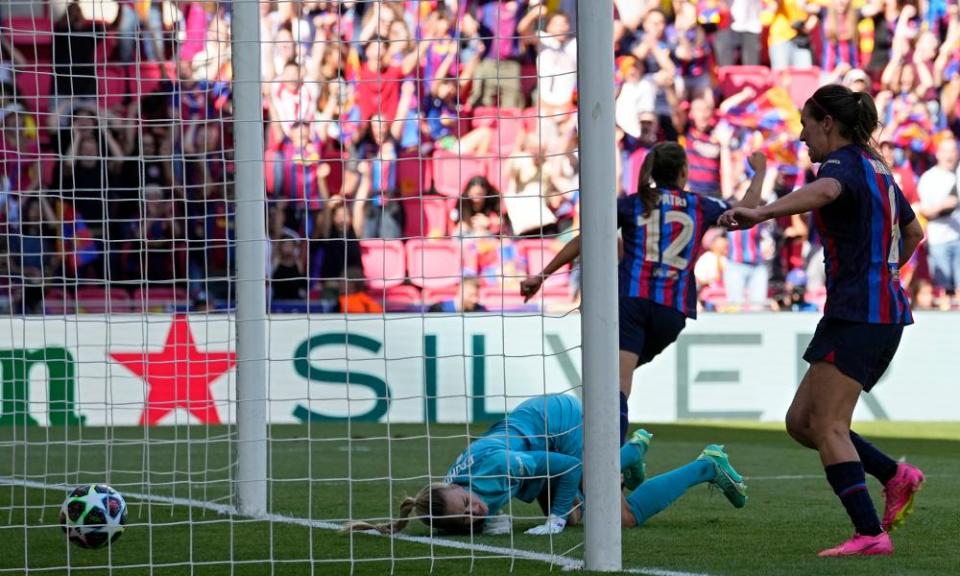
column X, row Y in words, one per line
column 662, row 227
column 869, row 232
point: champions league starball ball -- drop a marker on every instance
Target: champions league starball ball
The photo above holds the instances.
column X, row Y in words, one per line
column 93, row 515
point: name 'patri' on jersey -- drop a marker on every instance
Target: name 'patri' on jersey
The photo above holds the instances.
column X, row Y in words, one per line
column 661, row 248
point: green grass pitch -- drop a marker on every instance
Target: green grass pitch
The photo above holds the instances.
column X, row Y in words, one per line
column 791, row 513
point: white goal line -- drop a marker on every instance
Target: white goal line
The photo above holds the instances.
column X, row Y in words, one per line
column 227, row 510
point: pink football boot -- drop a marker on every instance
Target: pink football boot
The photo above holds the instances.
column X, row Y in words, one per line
column 899, row 493
column 859, row 545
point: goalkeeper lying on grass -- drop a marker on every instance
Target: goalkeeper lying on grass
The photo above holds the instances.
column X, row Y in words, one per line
column 541, row 441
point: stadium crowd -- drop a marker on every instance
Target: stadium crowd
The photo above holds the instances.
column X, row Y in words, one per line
column 423, row 154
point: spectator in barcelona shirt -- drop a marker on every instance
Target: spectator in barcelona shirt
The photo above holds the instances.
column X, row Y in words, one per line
column 441, row 114
column 840, row 33
column 440, row 58
column 746, row 276
column 703, row 149
column 297, row 178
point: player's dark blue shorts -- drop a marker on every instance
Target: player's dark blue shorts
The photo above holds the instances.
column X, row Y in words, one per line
column 646, row 328
column 859, row 350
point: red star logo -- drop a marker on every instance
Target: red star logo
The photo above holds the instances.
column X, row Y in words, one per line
column 179, row 376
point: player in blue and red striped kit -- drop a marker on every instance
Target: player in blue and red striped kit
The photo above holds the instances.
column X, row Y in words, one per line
column 869, row 232
column 746, row 272
column 662, row 228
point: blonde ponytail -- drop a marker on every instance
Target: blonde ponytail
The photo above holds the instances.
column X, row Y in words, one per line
column 429, row 504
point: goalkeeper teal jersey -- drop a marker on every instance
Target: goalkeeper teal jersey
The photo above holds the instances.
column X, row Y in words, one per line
column 541, row 440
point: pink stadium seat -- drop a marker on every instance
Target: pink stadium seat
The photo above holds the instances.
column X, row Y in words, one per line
column 100, row 300
column 57, row 301
column 28, row 32
column 489, row 115
column 434, row 263
column 800, row 83
column 413, row 223
column 506, row 132
column 498, row 174
column 501, row 298
column 160, row 298
column 436, row 215
column 433, row 295
column 412, row 174
column 534, row 117
column 735, row 78
column 426, row 217
column 112, row 85
column 34, row 86
column 398, row 298
column 335, row 178
column 537, row 254
column 383, row 263
column 149, row 76
column 48, row 169
column 451, row 171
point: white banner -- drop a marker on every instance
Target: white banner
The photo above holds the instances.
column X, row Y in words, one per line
column 130, row 370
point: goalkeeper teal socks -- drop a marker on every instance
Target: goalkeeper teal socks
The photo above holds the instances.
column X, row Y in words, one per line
column 659, row 492
column 630, row 455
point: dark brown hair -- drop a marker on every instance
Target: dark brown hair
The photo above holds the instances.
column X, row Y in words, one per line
column 661, row 167
column 854, row 112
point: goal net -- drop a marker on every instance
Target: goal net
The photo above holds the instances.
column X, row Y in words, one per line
column 418, row 159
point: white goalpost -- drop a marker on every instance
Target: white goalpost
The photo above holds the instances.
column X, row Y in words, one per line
column 602, row 550
column 260, row 270
column 251, row 313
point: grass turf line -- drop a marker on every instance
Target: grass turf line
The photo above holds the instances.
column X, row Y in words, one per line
column 779, row 532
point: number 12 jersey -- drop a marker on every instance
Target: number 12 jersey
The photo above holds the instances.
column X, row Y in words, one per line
column 661, row 248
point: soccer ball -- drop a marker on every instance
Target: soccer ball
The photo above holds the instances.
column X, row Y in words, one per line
column 93, row 515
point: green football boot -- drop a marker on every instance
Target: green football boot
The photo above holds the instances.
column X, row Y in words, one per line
column 727, row 479
column 634, row 475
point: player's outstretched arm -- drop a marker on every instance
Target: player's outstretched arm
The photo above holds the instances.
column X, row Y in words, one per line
column 531, row 285
column 751, row 199
column 566, row 470
column 815, row 195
